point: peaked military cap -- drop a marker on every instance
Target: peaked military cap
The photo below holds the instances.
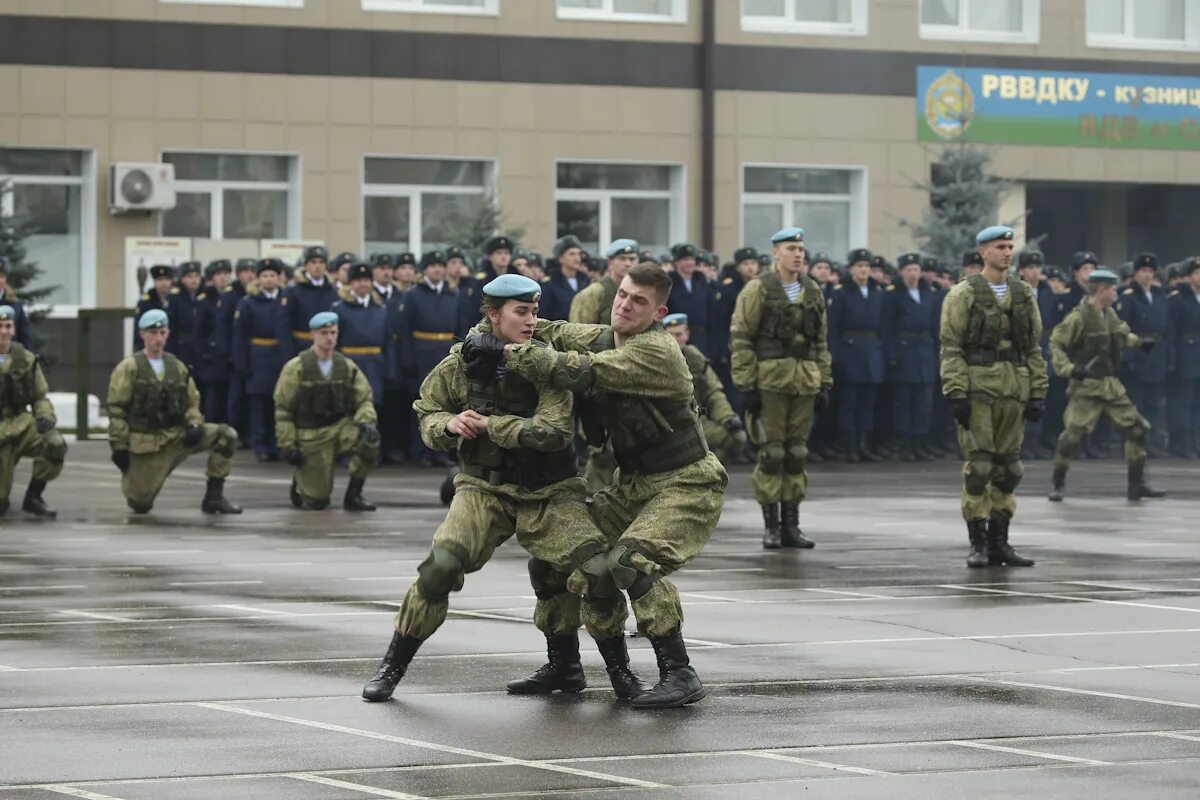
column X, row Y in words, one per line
column 1145, row 260
column 514, row 287
column 646, row 255
column 433, row 257
column 820, row 257
column 455, row 251
column 162, row 271
column 344, row 257
column 861, row 254
column 765, row 260
column 534, row 257
column 1030, row 258
column 673, row 320
column 383, row 260
column 745, row 254
column 1054, row 272
column 972, row 258
column 498, row 243
column 408, row 258
column 683, row 250
column 908, row 258
column 792, row 234
column 1189, row 266
column 322, row 319
column 566, row 243
column 154, row 318
column 1103, row 276
column 315, row 251
column 621, row 247
column 219, row 265
column 359, row 269
column 245, row 263
column 269, row 265
column 190, row 267
column 8, row 312
column 994, row 233
column 930, row 264
column 1082, row 257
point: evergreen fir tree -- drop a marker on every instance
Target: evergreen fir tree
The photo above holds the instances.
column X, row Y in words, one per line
column 22, row 274
column 488, row 222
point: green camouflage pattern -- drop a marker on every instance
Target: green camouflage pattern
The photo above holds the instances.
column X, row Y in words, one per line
column 781, row 472
column 714, row 406
column 593, row 304
column 18, row 433
column 783, row 375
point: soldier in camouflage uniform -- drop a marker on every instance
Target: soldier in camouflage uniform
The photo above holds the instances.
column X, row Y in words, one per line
column 27, row 421
column 667, row 498
column 994, row 378
column 323, row 411
column 1088, row 347
column 515, row 441
column 154, row 423
column 593, row 306
column 722, row 426
column 781, row 365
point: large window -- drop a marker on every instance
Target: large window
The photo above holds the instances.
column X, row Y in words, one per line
column 234, row 196
column 844, row 17
column 624, row 10
column 980, row 20
column 1146, row 24
column 51, row 192
column 829, row 203
column 481, row 7
column 600, row 202
column 421, row 204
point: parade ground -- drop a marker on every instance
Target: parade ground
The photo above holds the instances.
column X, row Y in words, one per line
column 177, row 657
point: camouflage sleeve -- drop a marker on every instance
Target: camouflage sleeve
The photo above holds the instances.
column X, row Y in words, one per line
column 717, row 403
column 194, row 415
column 286, row 388
column 564, row 336
column 743, row 327
column 955, row 381
column 550, row 429
column 824, row 358
column 1062, row 339
column 364, row 404
column 443, row 396
column 1039, row 382
column 648, row 365
column 42, row 407
column 583, row 307
column 120, row 394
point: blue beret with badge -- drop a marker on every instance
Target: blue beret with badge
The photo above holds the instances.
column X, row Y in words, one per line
column 994, row 233
column 154, row 318
column 513, row 287
column 322, row 319
column 621, row 247
column 1103, row 276
column 792, row 234
column 672, row 320
column 8, row 312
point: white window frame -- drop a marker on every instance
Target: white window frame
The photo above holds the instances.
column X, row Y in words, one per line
column 86, row 181
column 490, row 8
column 215, row 189
column 1127, row 41
column 1031, row 13
column 415, row 191
column 678, row 15
column 674, row 195
column 262, row 3
column 857, row 199
column 857, row 26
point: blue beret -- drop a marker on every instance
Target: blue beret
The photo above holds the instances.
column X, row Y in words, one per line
column 8, row 312
column 322, row 319
column 154, row 318
column 994, row 233
column 788, row 235
column 1103, row 276
column 671, row 320
column 514, row 287
column 621, row 247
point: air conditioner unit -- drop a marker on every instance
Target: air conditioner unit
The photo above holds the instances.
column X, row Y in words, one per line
column 141, row 187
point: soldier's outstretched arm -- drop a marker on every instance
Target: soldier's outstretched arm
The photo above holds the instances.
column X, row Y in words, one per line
column 42, row 407
column 364, row 405
column 550, row 429
column 648, row 365
column 443, row 396
column 120, row 394
column 563, row 336
column 286, row 388
column 1062, row 338
column 954, row 325
column 743, row 328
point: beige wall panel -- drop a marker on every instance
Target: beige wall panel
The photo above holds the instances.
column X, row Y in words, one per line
column 221, row 96
column 435, row 104
column 392, row 102
column 474, row 105
column 89, row 134
column 10, row 88
column 177, row 95
column 345, row 200
column 132, row 140
column 43, row 90
column 315, row 202
column 264, row 97
column 171, row 135
column 518, row 106
column 526, row 203
column 88, row 93
column 602, row 113
column 349, row 101
column 435, row 142
column 391, row 141
column 265, row 136
column 312, row 142
column 519, row 156
column 42, row 131
column 9, row 128
column 222, row 136
column 132, row 93
column 347, row 144
column 307, row 99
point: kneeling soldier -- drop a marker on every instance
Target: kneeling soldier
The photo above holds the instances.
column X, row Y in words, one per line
column 22, row 432
column 722, row 426
column 323, row 411
column 154, row 423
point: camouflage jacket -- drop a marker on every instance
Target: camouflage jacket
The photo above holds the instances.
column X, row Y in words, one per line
column 287, row 394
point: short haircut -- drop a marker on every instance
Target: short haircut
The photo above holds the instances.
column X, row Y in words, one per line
column 653, row 276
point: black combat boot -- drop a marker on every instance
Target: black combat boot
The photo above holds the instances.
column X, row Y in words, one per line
column 977, row 533
column 864, row 449
column 214, row 499
column 392, row 668
column 34, row 504
column 561, row 672
column 908, row 449
column 1058, row 485
column 678, row 684
column 294, row 495
column 625, row 681
column 772, row 535
column 1000, row 552
column 850, row 447
column 3, row 507
column 790, row 533
column 354, row 501
column 1138, row 488
column 927, row 450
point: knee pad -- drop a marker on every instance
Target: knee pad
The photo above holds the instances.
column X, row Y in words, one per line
column 1069, row 442
column 1139, row 431
column 794, row 460
column 56, row 446
column 441, row 573
column 770, row 458
column 226, row 444
column 541, row 578
column 591, row 559
column 1007, row 473
column 627, row 576
column 979, row 472
column 367, row 451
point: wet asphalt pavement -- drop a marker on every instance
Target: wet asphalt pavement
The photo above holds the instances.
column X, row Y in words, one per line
column 180, row 656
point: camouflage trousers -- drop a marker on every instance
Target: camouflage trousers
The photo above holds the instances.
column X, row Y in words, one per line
column 992, row 448
column 727, row 445
column 601, row 468
column 1081, row 417
column 551, row 524
column 147, row 472
column 28, row 443
column 780, row 474
column 322, row 447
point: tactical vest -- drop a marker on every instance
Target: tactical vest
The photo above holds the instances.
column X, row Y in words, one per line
column 530, row 469
column 157, row 403
column 648, row 435
column 18, row 386
column 323, row 401
column 698, row 366
column 607, row 297
column 787, row 329
column 988, row 324
column 1103, row 344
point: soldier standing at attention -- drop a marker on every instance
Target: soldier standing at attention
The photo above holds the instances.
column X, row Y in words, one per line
column 158, row 297
column 781, row 365
column 722, row 426
column 855, row 325
column 155, row 423
column 183, row 308
column 729, row 285
column 568, row 282
column 260, row 326
column 691, row 293
column 311, row 292
column 910, row 321
column 1184, row 405
column 1088, row 346
column 27, row 421
column 1146, row 310
column 993, row 377
column 239, row 402
column 212, row 348
column 323, row 411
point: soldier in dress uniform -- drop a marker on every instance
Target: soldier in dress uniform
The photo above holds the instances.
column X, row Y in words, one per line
column 405, row 274
column 239, row 401
column 909, row 321
column 311, row 292
column 566, row 284
column 723, row 427
column 855, row 327
column 498, row 251
column 363, row 334
column 212, row 346
column 728, row 286
column 183, row 306
column 1146, row 310
column 261, row 346
column 24, row 333
column 1183, row 407
column 396, row 407
column 691, row 294
column 1029, row 269
column 158, row 297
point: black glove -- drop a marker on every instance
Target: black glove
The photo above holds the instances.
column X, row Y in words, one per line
column 45, row 425
column 821, row 401
column 733, row 424
column 1079, row 372
column 752, row 401
column 960, row 407
column 483, row 352
column 368, row 433
column 294, row 457
column 121, row 459
column 1147, row 345
column 1034, row 409
column 193, row 434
